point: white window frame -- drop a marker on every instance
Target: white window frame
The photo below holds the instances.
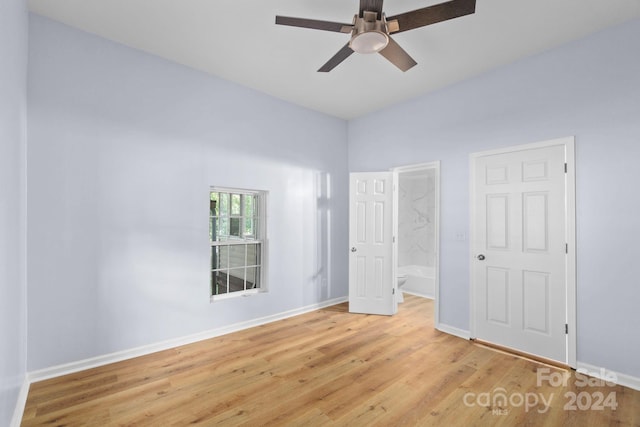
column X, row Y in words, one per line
column 258, row 238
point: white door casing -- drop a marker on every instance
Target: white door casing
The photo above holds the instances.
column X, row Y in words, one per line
column 520, row 244
column 371, row 261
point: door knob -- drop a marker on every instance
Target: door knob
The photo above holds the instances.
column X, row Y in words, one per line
column 353, row 249
column 480, row 257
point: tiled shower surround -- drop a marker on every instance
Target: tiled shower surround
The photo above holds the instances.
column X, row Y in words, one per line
column 416, row 218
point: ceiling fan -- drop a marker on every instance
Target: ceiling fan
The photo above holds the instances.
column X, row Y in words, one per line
column 371, row 29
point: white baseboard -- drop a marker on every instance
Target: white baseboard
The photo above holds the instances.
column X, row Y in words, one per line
column 451, row 330
column 81, row 365
column 621, row 379
column 16, row 420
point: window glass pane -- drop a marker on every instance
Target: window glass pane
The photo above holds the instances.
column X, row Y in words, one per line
column 236, row 255
column 253, row 254
column 248, row 227
column 235, row 204
column 219, row 282
column 213, row 228
column 214, row 282
column 213, row 212
column 223, row 256
column 253, row 277
column 224, row 204
column 256, row 205
column 213, row 204
column 256, row 225
column 234, row 227
column 248, row 205
column 236, row 280
column 215, row 258
column 223, row 227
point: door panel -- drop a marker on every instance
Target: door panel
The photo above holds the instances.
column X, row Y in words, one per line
column 536, row 294
column 536, row 223
column 371, row 263
column 498, row 302
column 520, row 229
column 497, row 221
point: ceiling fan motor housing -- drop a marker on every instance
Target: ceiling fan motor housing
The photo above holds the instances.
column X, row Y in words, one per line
column 369, row 35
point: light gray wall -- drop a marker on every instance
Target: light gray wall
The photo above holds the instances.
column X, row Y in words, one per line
column 13, row 111
column 123, row 147
column 590, row 89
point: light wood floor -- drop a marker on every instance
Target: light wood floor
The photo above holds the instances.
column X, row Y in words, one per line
column 324, row 368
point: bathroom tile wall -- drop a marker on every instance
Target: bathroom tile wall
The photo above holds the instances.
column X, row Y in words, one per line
column 416, row 219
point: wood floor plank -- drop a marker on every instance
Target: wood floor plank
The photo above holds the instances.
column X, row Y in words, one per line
column 324, row 368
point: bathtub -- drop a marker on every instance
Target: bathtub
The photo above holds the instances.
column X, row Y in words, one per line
column 421, row 280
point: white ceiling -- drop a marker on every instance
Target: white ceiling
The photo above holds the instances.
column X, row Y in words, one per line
column 238, row 40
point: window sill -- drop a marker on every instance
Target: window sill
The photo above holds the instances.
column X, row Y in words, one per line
column 247, row 293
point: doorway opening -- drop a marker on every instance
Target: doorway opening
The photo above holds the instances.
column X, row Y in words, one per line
column 417, row 230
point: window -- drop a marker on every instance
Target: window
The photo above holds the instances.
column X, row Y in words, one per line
column 236, row 234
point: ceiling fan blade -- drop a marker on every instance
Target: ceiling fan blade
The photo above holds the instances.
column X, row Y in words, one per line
column 314, row 24
column 433, row 14
column 371, row 6
column 336, row 59
column 397, row 56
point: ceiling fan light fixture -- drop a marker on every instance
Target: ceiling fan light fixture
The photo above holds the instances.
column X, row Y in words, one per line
column 369, row 42
column 369, row 34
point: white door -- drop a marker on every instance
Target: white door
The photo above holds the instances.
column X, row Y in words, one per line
column 371, row 262
column 519, row 244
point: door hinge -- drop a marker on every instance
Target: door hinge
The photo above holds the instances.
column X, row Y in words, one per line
column 566, row 248
column 565, row 168
column 566, row 328
column 393, row 291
